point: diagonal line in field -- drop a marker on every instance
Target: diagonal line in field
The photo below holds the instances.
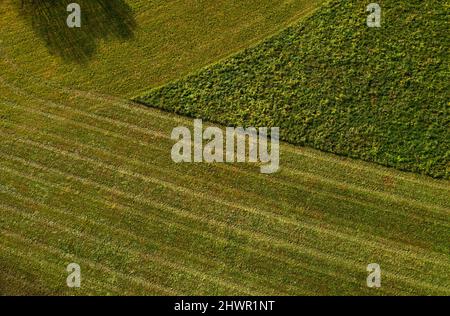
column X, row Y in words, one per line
column 89, row 263
column 125, row 104
column 27, row 257
column 382, row 195
column 385, row 195
column 187, row 191
column 113, row 122
column 117, row 230
column 134, row 127
column 348, row 263
column 155, row 259
column 108, row 133
column 190, row 179
column 410, row 254
column 183, row 214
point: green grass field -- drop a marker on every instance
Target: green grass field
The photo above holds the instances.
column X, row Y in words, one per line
column 166, row 40
column 86, row 177
column 334, row 84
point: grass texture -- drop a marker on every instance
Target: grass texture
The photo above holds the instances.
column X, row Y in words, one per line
column 86, row 177
column 332, row 83
column 125, row 47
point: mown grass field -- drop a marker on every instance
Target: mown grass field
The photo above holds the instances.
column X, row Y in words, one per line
column 86, row 177
column 161, row 41
column 334, row 84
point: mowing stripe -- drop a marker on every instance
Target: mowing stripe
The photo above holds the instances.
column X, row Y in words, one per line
column 160, row 114
column 366, row 166
column 289, row 184
column 118, row 123
column 119, row 231
column 154, row 133
column 114, row 122
column 348, row 263
column 126, row 123
column 29, row 256
column 385, row 195
column 184, row 190
column 139, row 280
column 213, row 237
column 188, row 179
column 372, row 244
column 33, row 244
column 195, row 217
column 382, row 195
column 125, row 104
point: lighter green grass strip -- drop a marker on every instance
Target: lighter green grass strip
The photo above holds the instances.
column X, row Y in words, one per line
column 102, row 267
column 348, row 263
column 187, row 191
column 128, row 234
column 385, row 196
column 187, row 215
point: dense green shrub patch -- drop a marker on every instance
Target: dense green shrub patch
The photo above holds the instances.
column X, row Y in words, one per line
column 330, row 82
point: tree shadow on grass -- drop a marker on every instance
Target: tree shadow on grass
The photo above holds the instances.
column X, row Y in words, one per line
column 100, row 20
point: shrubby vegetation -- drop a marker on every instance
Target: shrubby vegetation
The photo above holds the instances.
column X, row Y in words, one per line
column 330, row 82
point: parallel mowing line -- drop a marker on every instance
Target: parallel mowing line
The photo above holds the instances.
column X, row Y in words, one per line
column 306, row 152
column 95, row 96
column 367, row 241
column 26, row 257
column 124, row 104
column 153, row 112
column 188, row 229
column 171, row 265
column 128, row 105
column 157, row 134
column 108, row 133
column 226, row 168
column 381, row 195
column 289, row 183
column 92, row 265
column 111, row 121
column 274, row 180
column 357, row 164
column 78, row 124
column 202, row 196
column 344, row 237
column 390, row 196
column 23, row 284
column 209, row 222
column 204, row 234
column 348, row 263
column 140, row 280
column 396, row 197
column 115, row 230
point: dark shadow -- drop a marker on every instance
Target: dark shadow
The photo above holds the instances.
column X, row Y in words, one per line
column 100, row 19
